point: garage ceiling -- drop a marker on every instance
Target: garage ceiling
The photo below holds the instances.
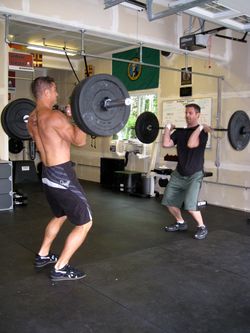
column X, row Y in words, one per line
column 37, row 34
column 228, row 13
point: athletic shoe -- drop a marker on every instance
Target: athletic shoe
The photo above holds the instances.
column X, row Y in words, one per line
column 41, row 261
column 201, row 233
column 66, row 273
column 177, row 227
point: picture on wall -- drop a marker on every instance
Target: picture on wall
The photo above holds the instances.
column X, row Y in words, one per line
column 186, row 76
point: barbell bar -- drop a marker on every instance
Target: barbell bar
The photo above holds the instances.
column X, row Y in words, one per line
column 242, row 131
column 147, row 128
column 100, row 106
column 108, row 103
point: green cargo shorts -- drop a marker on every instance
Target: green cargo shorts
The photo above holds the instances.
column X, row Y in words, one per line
column 183, row 191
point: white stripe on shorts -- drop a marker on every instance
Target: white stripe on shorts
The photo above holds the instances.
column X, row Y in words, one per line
column 52, row 184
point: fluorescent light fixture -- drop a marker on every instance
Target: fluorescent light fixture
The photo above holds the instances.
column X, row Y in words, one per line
column 49, row 50
column 204, row 13
column 236, row 25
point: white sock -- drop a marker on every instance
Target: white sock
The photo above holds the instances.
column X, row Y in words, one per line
column 181, row 221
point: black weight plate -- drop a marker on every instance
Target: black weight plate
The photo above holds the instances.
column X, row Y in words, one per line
column 15, row 146
column 147, row 127
column 75, row 108
column 88, row 97
column 74, row 98
column 4, row 123
column 239, row 122
column 163, row 182
column 13, row 117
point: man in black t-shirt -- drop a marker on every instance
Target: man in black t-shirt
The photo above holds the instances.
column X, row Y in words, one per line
column 184, row 186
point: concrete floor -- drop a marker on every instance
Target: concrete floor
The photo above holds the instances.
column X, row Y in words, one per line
column 139, row 278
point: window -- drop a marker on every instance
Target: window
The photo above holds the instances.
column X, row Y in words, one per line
column 140, row 103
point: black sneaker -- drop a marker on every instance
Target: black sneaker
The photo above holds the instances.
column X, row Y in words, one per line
column 66, row 273
column 177, row 227
column 201, row 233
column 41, row 261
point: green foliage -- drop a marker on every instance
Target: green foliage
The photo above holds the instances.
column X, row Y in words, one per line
column 140, row 103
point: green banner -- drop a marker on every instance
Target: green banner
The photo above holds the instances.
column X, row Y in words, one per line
column 136, row 76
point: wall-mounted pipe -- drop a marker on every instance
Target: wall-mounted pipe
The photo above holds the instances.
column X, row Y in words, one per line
column 152, row 65
column 218, row 122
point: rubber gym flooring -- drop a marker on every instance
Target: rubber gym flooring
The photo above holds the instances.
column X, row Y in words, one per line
column 139, row 278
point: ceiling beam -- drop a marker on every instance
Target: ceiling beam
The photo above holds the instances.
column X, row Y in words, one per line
column 111, row 3
column 175, row 7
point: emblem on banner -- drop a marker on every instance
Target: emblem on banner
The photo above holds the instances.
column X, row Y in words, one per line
column 134, row 70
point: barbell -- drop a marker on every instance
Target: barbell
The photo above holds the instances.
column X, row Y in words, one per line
column 100, row 106
column 147, row 128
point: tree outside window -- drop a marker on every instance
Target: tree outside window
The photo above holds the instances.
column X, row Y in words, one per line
column 140, row 103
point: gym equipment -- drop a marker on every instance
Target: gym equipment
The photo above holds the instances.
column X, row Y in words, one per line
column 15, row 146
column 32, row 150
column 100, row 106
column 15, row 116
column 24, row 171
column 19, row 198
column 6, row 185
column 239, row 130
column 147, row 129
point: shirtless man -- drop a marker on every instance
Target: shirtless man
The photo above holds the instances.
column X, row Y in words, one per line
column 53, row 133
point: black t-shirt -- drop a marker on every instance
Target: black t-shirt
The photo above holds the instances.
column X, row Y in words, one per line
column 190, row 160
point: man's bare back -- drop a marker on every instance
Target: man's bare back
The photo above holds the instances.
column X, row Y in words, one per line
column 53, row 131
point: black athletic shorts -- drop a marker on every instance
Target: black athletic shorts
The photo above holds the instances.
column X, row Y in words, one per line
column 65, row 194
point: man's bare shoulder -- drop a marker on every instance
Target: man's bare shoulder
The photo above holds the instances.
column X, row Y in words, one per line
column 32, row 121
column 55, row 119
column 46, row 114
column 58, row 116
